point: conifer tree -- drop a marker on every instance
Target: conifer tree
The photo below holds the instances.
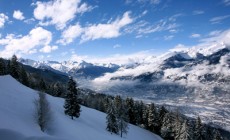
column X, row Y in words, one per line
column 121, row 114
column 42, row 85
column 185, row 132
column 57, row 90
column 130, row 110
column 167, row 126
column 199, row 130
column 162, row 113
column 152, row 118
column 217, row 135
column 72, row 108
column 14, row 67
column 112, row 125
column 145, row 117
column 23, row 77
column 2, row 67
column 177, row 125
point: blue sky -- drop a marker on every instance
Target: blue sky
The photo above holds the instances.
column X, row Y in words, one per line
column 106, row 30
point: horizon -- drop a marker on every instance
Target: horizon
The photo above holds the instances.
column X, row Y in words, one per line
column 97, row 31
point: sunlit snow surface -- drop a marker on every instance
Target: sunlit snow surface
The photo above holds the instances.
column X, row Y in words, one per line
column 17, row 121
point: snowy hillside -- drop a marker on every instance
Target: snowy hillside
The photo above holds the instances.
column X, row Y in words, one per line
column 17, row 121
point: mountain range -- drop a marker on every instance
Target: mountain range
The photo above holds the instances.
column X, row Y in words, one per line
column 195, row 81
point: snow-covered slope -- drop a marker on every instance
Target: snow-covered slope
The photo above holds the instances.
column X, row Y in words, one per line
column 17, row 121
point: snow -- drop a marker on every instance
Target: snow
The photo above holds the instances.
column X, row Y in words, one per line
column 17, row 121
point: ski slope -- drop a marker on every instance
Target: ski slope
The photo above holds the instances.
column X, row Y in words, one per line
column 17, row 120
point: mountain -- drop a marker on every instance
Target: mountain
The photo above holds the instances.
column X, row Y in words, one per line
column 81, row 69
column 195, row 81
column 17, row 118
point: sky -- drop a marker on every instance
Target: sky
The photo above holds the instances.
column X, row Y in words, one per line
column 107, row 30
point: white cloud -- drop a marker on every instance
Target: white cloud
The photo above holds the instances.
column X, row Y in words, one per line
column 3, row 19
column 198, row 12
column 170, row 37
column 18, row 15
column 219, row 19
column 195, row 36
column 179, row 48
column 116, row 46
column 215, row 33
column 27, row 44
column 109, row 30
column 70, row 34
column 226, row 2
column 59, row 12
column 154, row 2
column 48, row 49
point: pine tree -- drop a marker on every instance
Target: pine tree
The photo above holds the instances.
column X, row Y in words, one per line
column 152, row 118
column 57, row 90
column 121, row 114
column 145, row 117
column 42, row 85
column 185, row 132
column 72, row 108
column 199, row 130
column 23, row 77
column 177, row 125
column 130, row 109
column 2, row 67
column 217, row 135
column 14, row 67
column 167, row 126
column 112, row 125
column 162, row 113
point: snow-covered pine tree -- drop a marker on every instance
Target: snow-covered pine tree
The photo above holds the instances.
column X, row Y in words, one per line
column 185, row 132
column 162, row 113
column 167, row 126
column 177, row 126
column 199, row 133
column 72, row 108
column 145, row 117
column 111, row 119
column 152, row 118
column 217, row 135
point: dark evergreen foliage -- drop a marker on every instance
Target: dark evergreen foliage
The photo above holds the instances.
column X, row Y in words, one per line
column 14, row 67
column 112, row 124
column 72, row 107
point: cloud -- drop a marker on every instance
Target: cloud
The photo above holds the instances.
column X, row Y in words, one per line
column 226, row 2
column 154, row 2
column 27, row 44
column 48, row 49
column 116, row 46
column 198, row 12
column 195, row 36
column 215, row 33
column 70, row 34
column 219, row 19
column 3, row 19
column 109, row 30
column 18, row 15
column 170, row 37
column 59, row 12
